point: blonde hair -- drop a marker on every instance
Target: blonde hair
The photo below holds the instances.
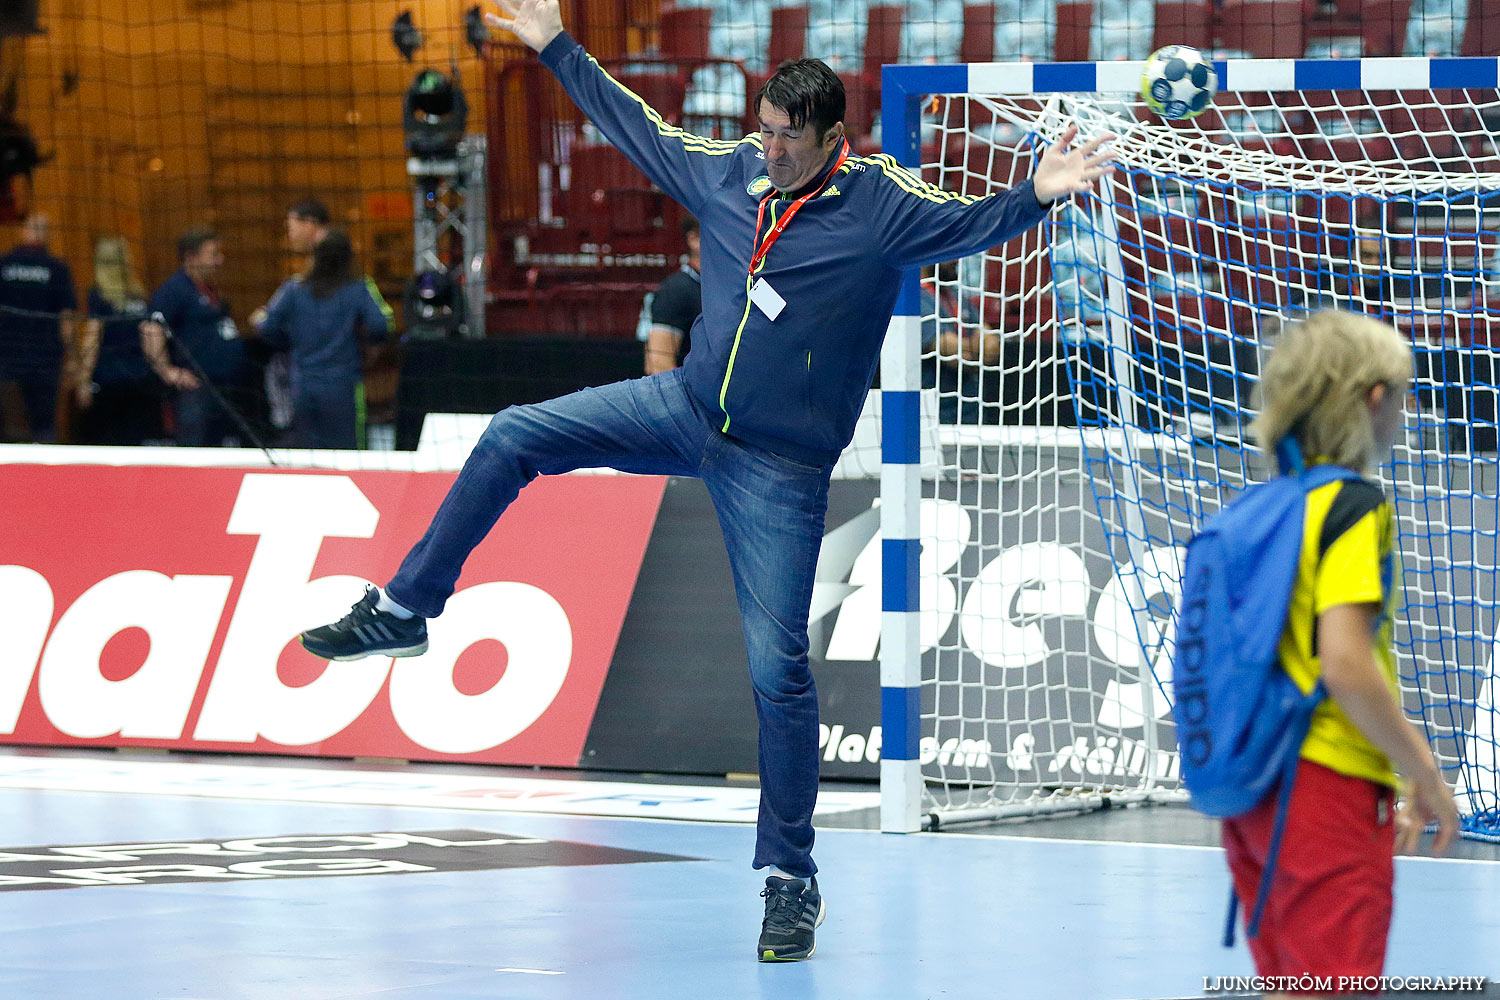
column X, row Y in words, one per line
column 113, row 275
column 1317, row 382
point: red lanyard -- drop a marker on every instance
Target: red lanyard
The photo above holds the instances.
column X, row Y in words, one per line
column 785, row 220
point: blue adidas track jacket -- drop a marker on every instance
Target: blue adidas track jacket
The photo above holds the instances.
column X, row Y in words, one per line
column 795, row 384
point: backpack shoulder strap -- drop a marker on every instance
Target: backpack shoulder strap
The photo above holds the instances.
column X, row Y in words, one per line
column 1322, row 475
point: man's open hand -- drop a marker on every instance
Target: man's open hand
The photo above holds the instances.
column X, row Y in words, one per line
column 534, row 22
column 1063, row 170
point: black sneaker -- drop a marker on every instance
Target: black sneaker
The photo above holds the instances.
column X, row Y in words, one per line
column 794, row 909
column 367, row 631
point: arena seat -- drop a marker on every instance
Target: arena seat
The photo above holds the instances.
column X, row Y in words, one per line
column 1482, row 30
column 1183, row 22
column 788, row 38
column 1071, row 44
column 684, row 33
column 978, row 44
column 1267, row 29
column 1383, row 26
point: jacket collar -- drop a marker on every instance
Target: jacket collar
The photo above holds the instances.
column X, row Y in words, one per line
column 822, row 175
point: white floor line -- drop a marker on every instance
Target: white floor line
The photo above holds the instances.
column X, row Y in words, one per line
column 417, row 790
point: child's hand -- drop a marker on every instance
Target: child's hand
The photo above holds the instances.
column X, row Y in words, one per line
column 1408, row 829
column 1430, row 801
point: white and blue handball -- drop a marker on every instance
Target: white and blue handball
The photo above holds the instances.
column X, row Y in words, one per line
column 1179, row 82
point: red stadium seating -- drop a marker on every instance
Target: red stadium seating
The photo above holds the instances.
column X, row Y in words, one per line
column 1267, row 29
column 882, row 46
column 1071, row 44
column 978, row 43
column 788, row 35
column 1183, row 22
column 1482, row 31
column 882, row 38
column 684, row 33
column 1384, row 26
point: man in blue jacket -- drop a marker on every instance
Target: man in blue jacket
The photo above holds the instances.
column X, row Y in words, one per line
column 37, row 304
column 803, row 249
column 200, row 338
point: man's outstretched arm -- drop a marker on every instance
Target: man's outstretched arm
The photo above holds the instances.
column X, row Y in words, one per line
column 919, row 223
column 686, row 166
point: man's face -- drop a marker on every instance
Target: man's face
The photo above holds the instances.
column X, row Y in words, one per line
column 302, row 233
column 208, row 259
column 793, row 155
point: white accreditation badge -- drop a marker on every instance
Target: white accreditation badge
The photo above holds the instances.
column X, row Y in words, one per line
column 766, row 298
column 227, row 329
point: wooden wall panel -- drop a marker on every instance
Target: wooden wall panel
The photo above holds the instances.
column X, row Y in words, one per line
column 224, row 115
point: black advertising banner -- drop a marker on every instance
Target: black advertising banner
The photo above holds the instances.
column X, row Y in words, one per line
column 677, row 698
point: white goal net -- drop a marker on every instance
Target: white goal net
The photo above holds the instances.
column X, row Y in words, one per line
column 1094, row 380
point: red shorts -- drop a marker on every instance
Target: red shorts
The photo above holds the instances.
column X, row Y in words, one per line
column 1329, row 908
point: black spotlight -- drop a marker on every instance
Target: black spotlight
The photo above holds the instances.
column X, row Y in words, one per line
column 18, row 150
column 436, row 115
column 476, row 32
column 433, row 305
column 405, row 35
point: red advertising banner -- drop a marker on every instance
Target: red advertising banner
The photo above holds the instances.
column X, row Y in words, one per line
column 159, row 606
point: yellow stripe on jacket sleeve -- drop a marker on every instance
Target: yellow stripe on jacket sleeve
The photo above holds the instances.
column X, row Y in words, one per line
column 913, row 185
column 697, row 143
column 385, row 309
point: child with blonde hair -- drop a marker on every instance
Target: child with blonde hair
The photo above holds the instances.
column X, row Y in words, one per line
column 1335, row 387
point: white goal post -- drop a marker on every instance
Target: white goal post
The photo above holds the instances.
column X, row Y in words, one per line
column 1093, row 382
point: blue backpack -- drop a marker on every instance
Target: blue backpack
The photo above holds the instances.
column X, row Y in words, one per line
column 1241, row 719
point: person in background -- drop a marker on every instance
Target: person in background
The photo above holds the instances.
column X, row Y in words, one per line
column 118, row 397
column 954, row 345
column 204, row 341
column 319, row 319
column 37, row 303
column 671, row 310
column 306, row 225
column 307, row 222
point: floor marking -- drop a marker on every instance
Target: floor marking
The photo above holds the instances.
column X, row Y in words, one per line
column 416, row 790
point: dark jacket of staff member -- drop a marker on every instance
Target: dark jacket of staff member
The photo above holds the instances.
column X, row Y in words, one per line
column 204, row 339
column 36, row 305
column 673, row 308
column 319, row 319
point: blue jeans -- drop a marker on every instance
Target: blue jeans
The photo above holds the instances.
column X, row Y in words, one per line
column 771, row 511
column 202, row 421
column 325, row 414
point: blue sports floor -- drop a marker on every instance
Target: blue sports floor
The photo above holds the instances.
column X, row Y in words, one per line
column 1014, row 912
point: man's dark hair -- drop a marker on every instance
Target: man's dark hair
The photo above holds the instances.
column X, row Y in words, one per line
column 192, row 241
column 689, row 225
column 808, row 91
column 310, row 209
column 332, row 264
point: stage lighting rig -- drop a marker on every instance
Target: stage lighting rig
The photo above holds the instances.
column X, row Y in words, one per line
column 405, row 35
